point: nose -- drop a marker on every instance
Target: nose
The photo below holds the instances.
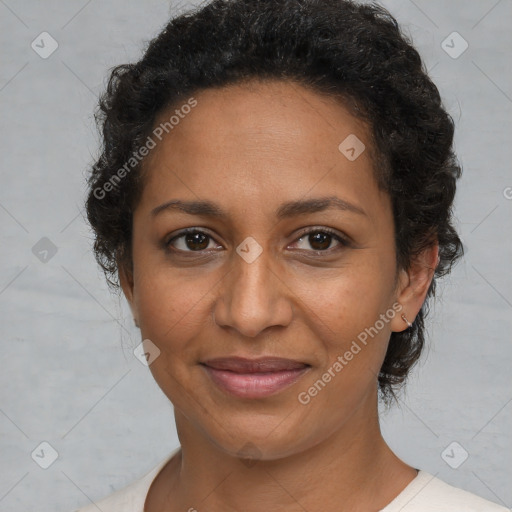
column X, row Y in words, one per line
column 253, row 297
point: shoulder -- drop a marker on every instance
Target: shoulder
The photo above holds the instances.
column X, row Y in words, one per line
column 427, row 493
column 130, row 498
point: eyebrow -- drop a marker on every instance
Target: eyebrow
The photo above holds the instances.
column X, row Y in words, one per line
column 286, row 210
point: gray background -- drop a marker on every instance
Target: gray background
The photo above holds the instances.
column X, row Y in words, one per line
column 68, row 374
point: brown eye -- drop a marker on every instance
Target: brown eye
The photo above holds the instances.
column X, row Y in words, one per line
column 190, row 241
column 321, row 239
column 196, row 241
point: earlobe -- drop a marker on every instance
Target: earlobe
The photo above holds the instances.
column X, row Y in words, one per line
column 404, row 318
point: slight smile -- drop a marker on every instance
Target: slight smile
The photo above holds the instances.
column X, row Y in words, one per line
column 254, row 378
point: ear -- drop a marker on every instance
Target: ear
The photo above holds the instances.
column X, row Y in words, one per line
column 413, row 286
column 127, row 284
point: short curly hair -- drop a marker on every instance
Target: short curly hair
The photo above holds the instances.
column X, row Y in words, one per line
column 353, row 52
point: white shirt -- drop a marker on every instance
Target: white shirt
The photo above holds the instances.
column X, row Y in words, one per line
column 426, row 493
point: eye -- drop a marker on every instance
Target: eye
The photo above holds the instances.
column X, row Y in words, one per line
column 320, row 239
column 191, row 240
column 194, row 240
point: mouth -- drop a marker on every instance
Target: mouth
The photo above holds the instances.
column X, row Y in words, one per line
column 254, row 378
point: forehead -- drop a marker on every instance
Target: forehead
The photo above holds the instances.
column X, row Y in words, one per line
column 283, row 111
column 259, row 140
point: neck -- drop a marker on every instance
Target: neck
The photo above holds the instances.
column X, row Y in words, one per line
column 353, row 468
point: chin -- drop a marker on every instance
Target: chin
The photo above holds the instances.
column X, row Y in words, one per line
column 256, row 439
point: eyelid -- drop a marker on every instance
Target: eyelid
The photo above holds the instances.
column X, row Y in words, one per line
column 342, row 239
column 185, row 231
column 324, row 229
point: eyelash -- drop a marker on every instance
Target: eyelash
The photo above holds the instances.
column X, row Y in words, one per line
column 342, row 241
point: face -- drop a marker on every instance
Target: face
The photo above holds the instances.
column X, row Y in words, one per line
column 290, row 254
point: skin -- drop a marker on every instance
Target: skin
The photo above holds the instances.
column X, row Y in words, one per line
column 249, row 148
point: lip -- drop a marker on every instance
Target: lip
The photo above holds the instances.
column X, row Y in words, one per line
column 254, row 378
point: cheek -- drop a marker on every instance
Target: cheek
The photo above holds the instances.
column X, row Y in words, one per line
column 347, row 319
column 351, row 300
column 172, row 314
column 172, row 304
column 353, row 345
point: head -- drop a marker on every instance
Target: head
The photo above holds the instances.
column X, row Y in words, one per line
column 312, row 161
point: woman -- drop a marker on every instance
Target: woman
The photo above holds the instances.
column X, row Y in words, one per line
column 274, row 198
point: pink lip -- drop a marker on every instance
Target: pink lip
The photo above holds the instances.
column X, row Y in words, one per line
column 254, row 378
